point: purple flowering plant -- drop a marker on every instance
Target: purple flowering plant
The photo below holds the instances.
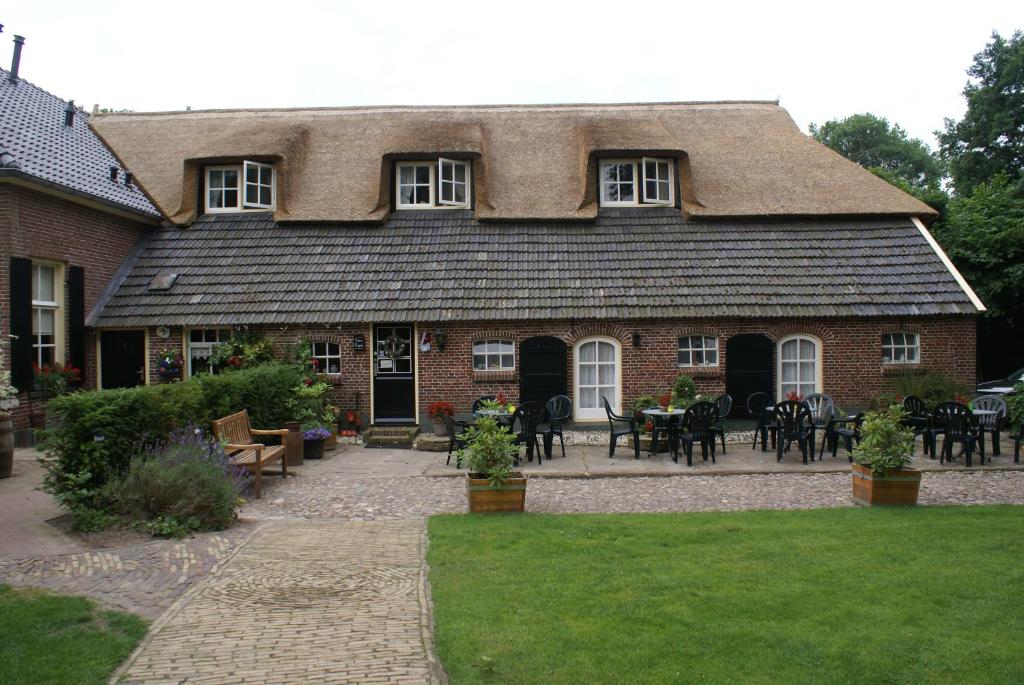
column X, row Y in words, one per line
column 318, row 433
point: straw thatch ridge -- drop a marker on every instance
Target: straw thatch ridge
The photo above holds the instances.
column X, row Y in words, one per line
column 736, row 159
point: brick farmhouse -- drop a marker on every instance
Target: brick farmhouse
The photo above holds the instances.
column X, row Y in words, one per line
column 69, row 216
column 444, row 253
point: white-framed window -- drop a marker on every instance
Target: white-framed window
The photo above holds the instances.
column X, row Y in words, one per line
column 597, row 377
column 636, row 182
column 493, row 355
column 200, row 345
column 327, row 355
column 901, row 348
column 799, row 368
column 249, row 186
column 698, row 350
column 47, row 285
column 431, row 184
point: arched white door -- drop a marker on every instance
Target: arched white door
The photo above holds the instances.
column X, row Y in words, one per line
column 597, row 377
column 799, row 366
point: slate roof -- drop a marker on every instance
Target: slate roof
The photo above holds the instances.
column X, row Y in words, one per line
column 35, row 143
column 447, row 266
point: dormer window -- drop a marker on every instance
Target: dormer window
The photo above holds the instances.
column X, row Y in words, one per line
column 426, row 185
column 249, row 186
column 636, row 182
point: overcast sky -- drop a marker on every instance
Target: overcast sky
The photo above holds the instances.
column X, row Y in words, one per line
column 902, row 60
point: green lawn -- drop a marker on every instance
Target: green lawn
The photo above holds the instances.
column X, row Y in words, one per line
column 924, row 595
column 47, row 638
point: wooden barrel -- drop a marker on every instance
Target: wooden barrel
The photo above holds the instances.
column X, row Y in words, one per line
column 6, row 445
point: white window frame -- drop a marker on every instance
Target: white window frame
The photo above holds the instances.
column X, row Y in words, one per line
column 241, row 206
column 640, row 198
column 327, row 356
column 657, row 162
column 818, row 363
column 441, row 162
column 208, row 345
column 704, row 348
column 598, row 414
column 891, row 347
column 260, row 168
column 436, row 183
column 489, row 355
column 55, row 305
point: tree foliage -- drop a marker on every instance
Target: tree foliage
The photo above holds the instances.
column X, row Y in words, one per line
column 874, row 143
column 989, row 140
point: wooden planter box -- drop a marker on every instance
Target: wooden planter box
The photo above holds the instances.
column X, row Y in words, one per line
column 897, row 488
column 645, row 444
column 483, row 497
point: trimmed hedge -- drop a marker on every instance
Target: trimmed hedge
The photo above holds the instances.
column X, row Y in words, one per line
column 93, row 435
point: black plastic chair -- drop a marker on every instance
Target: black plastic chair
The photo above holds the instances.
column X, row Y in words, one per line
column 698, row 425
column 918, row 419
column 956, row 424
column 455, row 428
column 662, row 429
column 559, row 409
column 793, row 421
column 757, row 405
column 846, row 430
column 724, row 404
column 627, row 426
column 990, row 423
column 822, row 412
column 529, row 415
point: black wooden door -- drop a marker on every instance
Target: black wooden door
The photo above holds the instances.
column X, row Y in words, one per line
column 748, row 369
column 122, row 359
column 394, row 384
column 542, row 369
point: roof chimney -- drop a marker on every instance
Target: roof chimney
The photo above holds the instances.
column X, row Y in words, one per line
column 16, row 60
column 69, row 113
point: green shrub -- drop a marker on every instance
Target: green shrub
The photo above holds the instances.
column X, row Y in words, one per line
column 1015, row 405
column 89, row 520
column 182, row 485
column 931, row 386
column 96, row 434
column 490, row 451
column 886, row 443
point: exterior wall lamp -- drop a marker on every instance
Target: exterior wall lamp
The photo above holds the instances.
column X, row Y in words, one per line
column 636, row 338
column 440, row 337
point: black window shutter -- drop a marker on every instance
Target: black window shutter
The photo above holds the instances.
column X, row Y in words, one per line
column 21, row 323
column 76, row 316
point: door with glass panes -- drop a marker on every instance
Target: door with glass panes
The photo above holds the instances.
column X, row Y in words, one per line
column 394, row 382
column 597, row 377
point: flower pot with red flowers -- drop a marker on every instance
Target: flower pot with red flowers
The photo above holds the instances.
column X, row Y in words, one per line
column 437, row 411
column 170, row 365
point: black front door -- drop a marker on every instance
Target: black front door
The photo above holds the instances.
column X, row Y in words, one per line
column 542, row 369
column 748, row 369
column 122, row 359
column 394, row 383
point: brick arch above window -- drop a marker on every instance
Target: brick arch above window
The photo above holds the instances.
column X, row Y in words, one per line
column 825, row 334
column 477, row 336
column 598, row 329
column 699, row 330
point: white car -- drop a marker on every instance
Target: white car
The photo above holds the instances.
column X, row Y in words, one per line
column 1002, row 386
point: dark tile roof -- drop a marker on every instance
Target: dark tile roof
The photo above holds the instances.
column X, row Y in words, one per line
column 34, row 140
column 446, row 266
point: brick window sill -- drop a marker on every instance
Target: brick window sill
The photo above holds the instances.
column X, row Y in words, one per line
column 898, row 369
column 494, row 376
column 702, row 371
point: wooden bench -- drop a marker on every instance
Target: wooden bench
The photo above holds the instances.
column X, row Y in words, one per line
column 242, row 451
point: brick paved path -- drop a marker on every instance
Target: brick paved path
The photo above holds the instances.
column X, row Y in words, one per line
column 302, row 602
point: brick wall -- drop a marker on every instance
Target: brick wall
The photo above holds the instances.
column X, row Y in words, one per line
column 41, row 226
column 852, row 371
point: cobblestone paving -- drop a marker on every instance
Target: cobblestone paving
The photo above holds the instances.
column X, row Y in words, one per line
column 335, row 497
column 302, row 602
column 143, row 579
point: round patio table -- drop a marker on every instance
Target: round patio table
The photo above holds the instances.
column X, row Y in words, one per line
column 660, row 413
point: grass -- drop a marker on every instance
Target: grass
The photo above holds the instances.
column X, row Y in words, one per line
column 920, row 595
column 47, row 638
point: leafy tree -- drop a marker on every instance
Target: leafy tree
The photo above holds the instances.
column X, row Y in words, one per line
column 989, row 140
column 873, row 143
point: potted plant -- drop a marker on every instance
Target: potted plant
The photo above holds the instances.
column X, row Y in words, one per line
column 8, row 400
column 170, row 364
column 313, row 437
column 684, row 392
column 437, row 411
column 489, row 456
column 880, row 471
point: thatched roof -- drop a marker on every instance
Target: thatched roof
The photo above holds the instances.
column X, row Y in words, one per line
column 745, row 159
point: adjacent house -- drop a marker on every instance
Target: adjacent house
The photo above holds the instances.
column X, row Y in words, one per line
column 69, row 215
column 597, row 251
